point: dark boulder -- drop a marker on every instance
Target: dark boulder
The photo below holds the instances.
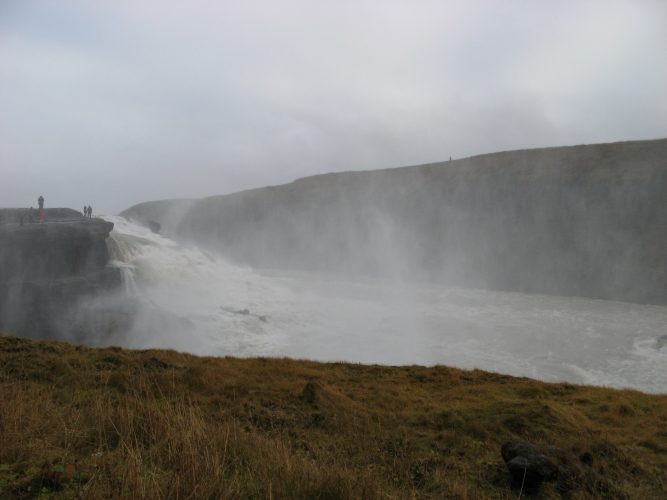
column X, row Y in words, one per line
column 531, row 464
column 661, row 341
column 534, row 467
column 166, row 213
column 154, row 226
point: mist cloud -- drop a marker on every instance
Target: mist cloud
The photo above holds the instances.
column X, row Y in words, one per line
column 114, row 103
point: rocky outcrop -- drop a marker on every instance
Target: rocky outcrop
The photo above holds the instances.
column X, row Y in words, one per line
column 46, row 269
column 154, row 226
column 584, row 220
column 530, row 465
column 160, row 216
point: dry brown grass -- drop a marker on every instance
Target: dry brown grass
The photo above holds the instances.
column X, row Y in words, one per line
column 113, row 423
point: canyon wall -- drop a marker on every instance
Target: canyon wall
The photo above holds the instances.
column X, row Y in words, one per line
column 586, row 220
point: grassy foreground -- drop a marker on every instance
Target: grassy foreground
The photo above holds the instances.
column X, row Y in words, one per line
column 113, row 423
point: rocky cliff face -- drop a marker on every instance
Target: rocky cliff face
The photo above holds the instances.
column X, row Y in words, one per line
column 46, row 269
column 584, row 220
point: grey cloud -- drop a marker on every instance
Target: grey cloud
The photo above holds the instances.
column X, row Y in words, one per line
column 125, row 102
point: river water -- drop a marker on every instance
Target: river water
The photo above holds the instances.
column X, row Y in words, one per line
column 240, row 311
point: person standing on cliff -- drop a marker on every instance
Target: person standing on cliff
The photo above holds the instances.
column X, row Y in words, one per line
column 85, row 211
column 90, row 211
column 41, row 216
column 40, row 200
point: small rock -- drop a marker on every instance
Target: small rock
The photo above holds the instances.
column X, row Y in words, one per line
column 535, row 467
column 532, row 464
column 154, row 226
column 586, row 458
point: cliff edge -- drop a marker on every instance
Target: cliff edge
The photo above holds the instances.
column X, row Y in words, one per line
column 46, row 269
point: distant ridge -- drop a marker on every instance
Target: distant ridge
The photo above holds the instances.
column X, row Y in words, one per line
column 587, row 220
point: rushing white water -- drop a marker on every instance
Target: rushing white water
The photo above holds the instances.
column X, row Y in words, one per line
column 128, row 273
column 331, row 318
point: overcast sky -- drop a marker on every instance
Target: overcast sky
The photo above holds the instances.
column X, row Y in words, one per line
column 112, row 103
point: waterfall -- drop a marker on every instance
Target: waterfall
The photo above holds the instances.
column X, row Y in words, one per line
column 122, row 251
column 128, row 274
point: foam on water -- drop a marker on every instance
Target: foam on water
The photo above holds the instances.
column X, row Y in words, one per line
column 328, row 318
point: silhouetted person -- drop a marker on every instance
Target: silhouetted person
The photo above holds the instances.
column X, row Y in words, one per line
column 85, row 211
column 40, row 200
column 90, row 211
